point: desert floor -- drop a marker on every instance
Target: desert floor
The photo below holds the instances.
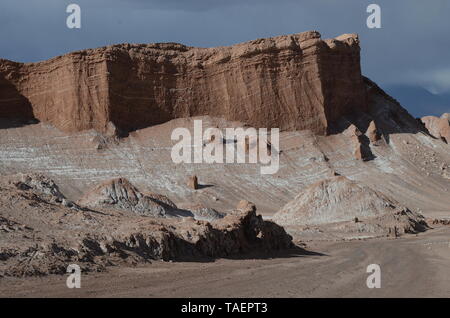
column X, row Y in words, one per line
column 413, row 266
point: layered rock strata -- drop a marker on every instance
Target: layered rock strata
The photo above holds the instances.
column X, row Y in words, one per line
column 291, row 82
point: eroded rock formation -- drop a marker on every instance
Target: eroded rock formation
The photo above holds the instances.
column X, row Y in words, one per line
column 292, row 82
column 359, row 143
column 372, row 132
column 340, row 200
column 40, row 237
column 192, row 182
column 120, row 194
column 438, row 127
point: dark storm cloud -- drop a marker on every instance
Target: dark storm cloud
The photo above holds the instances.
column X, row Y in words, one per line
column 193, row 5
column 411, row 48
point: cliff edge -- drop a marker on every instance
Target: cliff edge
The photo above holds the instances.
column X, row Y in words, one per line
column 292, row 82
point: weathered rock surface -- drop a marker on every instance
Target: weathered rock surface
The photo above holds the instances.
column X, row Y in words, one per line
column 202, row 212
column 384, row 114
column 40, row 237
column 338, row 200
column 291, row 82
column 372, row 132
column 192, row 182
column 120, row 194
column 359, row 144
column 438, row 127
column 40, row 188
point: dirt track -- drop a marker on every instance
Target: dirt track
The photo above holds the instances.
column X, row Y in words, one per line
column 414, row 266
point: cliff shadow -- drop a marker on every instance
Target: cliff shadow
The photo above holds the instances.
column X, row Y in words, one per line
column 257, row 254
column 15, row 108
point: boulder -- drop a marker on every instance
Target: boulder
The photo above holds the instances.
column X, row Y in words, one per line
column 438, row 127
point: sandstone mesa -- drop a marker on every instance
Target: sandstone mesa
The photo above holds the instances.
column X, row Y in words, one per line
column 290, row 82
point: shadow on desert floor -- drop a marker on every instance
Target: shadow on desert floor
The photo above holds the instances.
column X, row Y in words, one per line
column 294, row 252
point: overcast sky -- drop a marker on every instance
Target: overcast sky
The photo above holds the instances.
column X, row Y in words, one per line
column 412, row 47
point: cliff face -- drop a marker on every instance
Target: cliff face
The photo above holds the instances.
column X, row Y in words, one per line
column 70, row 92
column 292, row 82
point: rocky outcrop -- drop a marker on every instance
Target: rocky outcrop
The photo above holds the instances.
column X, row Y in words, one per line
column 359, row 143
column 120, row 194
column 338, row 199
column 385, row 116
column 243, row 230
column 291, row 82
column 40, row 237
column 202, row 212
column 438, row 127
column 38, row 187
column 192, row 182
column 372, row 132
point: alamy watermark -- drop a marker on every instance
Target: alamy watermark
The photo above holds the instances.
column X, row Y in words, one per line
column 73, row 21
column 374, row 279
column 74, row 279
column 374, row 19
column 237, row 145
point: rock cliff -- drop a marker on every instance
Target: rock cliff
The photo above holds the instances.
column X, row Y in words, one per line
column 292, row 82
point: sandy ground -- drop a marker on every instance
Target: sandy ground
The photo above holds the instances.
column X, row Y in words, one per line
column 413, row 266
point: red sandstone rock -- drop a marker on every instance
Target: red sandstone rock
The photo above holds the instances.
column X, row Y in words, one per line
column 192, row 182
column 352, row 131
column 244, row 205
column 438, row 127
column 354, row 134
column 291, row 82
column 372, row 132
